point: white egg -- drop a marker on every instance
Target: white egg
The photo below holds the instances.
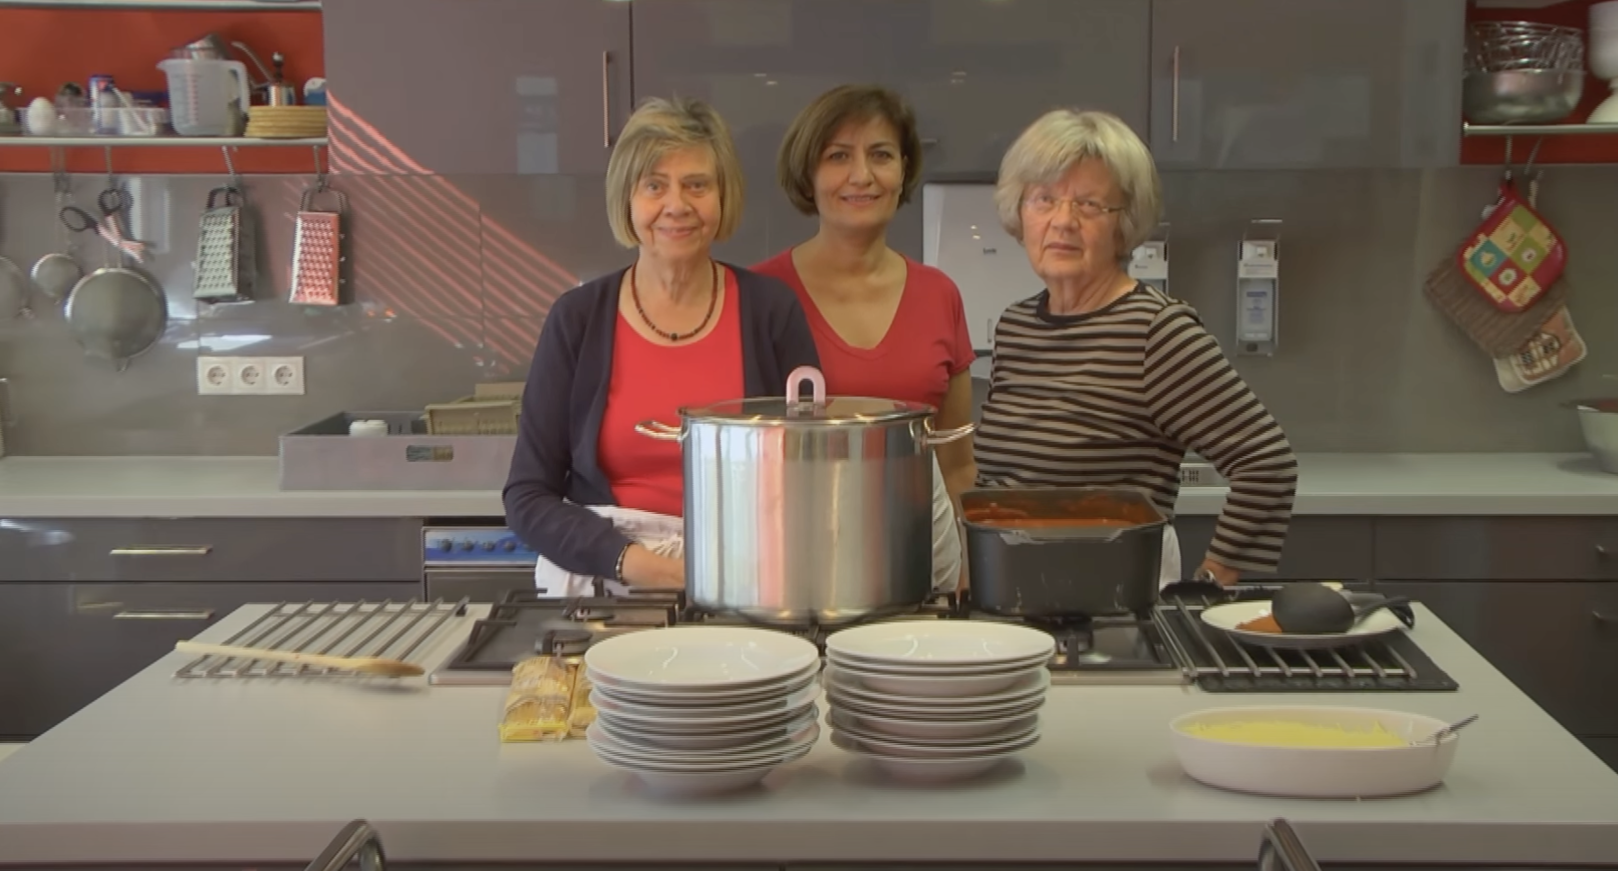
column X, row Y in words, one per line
column 41, row 118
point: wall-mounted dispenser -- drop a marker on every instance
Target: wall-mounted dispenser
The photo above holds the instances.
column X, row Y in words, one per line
column 1149, row 263
column 1258, row 289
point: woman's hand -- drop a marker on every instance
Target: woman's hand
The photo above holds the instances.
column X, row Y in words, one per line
column 651, row 571
column 1223, row 574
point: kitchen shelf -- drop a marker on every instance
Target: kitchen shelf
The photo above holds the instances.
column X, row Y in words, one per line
column 1538, row 129
column 153, row 141
column 187, row 5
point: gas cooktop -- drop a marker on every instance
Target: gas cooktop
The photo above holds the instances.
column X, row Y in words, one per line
column 1167, row 646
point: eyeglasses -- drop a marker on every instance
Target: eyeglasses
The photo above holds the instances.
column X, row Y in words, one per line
column 1046, row 204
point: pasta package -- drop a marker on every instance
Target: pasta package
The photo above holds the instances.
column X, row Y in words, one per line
column 539, row 701
column 583, row 713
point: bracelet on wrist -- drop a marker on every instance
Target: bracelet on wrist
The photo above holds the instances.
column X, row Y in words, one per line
column 618, row 570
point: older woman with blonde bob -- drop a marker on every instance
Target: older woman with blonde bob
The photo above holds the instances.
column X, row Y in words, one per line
column 1101, row 380
column 674, row 328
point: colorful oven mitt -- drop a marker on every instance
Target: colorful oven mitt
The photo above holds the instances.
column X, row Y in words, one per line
column 1514, row 256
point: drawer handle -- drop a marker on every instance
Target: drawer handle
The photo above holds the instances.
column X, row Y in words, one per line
column 162, row 550
column 1602, row 618
column 163, row 615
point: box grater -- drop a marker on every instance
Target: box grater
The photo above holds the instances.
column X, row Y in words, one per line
column 226, row 265
column 317, row 251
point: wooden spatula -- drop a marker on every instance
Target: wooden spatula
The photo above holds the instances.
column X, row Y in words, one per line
column 362, row 664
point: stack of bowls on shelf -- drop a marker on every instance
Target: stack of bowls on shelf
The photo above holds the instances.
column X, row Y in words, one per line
column 933, row 701
column 701, row 710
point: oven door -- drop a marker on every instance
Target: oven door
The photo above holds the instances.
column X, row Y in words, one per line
column 485, row 584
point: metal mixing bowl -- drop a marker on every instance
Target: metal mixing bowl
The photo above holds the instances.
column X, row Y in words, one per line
column 1520, row 96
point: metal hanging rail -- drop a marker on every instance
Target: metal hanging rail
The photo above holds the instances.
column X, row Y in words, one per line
column 189, row 5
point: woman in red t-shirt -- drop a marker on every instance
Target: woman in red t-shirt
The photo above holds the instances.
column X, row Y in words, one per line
column 884, row 325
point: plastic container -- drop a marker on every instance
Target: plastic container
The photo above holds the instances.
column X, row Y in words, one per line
column 207, row 97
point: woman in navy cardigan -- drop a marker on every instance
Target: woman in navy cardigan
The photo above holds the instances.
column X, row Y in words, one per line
column 675, row 328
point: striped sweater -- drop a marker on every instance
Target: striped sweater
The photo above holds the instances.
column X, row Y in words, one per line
column 1115, row 397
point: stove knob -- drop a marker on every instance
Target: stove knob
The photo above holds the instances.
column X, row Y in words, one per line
column 488, row 545
column 509, row 546
column 466, row 545
column 444, row 544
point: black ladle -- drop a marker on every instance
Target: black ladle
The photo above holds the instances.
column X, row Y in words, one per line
column 1316, row 609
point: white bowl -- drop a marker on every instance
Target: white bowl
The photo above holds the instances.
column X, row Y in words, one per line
column 934, row 731
column 908, row 750
column 685, row 696
column 925, row 771
column 711, row 740
column 927, row 669
column 1315, row 772
column 979, row 688
column 776, row 700
column 941, row 642
column 700, row 658
column 956, row 713
column 770, row 753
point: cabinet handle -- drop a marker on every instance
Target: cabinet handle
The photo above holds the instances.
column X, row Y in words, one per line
column 1602, row 618
column 606, row 99
column 161, row 550
column 1174, row 100
column 929, row 142
column 163, row 615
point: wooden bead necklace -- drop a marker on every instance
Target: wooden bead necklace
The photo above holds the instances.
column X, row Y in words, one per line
column 713, row 301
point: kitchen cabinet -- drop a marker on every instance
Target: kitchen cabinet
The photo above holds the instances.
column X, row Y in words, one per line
column 1282, row 84
column 976, row 73
column 380, row 549
column 1317, row 548
column 1497, row 548
column 63, row 645
column 1557, row 641
column 476, row 86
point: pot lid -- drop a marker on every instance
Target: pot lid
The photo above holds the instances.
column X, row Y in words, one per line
column 835, row 409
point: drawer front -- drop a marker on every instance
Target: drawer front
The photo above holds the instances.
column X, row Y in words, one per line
column 62, row 646
column 1317, row 548
column 220, row 549
column 477, row 585
column 1497, row 548
column 1558, row 642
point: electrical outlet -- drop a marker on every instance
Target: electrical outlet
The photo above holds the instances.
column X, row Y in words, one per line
column 283, row 375
column 213, row 375
column 247, row 374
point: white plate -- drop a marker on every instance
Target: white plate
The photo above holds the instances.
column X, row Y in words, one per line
column 941, row 642
column 658, row 719
column 709, row 740
column 926, row 771
column 979, row 688
column 723, row 732
column 682, row 696
column 938, row 731
column 899, row 747
column 613, row 755
column 691, row 784
column 776, row 700
column 1029, row 686
column 1315, row 772
column 1227, row 617
column 927, row 669
column 759, row 754
column 701, row 658
column 839, row 699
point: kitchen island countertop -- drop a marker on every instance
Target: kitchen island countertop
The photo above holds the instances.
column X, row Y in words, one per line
column 248, row 772
column 1329, row 484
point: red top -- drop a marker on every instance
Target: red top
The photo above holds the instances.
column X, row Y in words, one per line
column 926, row 345
column 652, row 382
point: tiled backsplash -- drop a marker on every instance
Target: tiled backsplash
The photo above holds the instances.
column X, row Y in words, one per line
column 451, row 277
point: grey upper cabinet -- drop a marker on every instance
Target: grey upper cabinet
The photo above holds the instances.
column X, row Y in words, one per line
column 476, row 86
column 1298, row 84
column 977, row 72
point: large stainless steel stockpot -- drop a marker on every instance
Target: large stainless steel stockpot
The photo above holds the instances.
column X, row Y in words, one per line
column 814, row 511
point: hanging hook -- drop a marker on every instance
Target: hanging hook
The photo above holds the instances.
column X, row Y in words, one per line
column 230, row 167
column 320, row 170
column 107, row 154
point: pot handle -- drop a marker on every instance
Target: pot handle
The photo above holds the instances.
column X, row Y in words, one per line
column 817, row 382
column 944, row 436
column 660, row 431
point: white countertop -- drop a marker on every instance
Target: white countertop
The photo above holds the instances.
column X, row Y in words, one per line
column 247, row 772
column 1345, row 484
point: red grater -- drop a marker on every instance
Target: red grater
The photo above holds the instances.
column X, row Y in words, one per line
column 317, row 250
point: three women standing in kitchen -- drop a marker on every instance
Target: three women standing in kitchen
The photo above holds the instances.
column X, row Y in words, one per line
column 885, row 326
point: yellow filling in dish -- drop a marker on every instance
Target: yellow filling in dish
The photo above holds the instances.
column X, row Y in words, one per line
column 1284, row 734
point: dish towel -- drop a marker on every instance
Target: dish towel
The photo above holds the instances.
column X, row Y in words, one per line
column 1170, row 572
column 659, row 533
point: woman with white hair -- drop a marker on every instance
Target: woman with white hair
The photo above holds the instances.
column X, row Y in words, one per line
column 1101, row 380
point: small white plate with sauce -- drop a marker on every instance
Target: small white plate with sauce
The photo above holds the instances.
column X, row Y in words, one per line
column 1229, row 619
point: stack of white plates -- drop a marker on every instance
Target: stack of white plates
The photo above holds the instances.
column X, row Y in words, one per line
column 931, row 701
column 698, row 709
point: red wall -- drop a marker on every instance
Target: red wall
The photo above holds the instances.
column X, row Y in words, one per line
column 1583, row 148
column 42, row 48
